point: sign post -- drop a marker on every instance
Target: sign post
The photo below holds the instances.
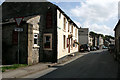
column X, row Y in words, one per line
column 18, row 21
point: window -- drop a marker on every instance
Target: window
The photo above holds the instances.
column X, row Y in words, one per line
column 59, row 15
column 72, row 29
column 76, row 33
column 49, row 20
column 68, row 26
column 35, row 39
column 64, row 23
column 71, row 42
column 64, row 46
column 47, row 41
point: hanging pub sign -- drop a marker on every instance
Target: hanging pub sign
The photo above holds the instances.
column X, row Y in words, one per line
column 49, row 20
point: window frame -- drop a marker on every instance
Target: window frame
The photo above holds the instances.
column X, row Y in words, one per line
column 35, row 38
column 60, row 15
column 64, row 42
column 64, row 19
column 34, row 33
column 68, row 27
column 72, row 29
column 44, row 35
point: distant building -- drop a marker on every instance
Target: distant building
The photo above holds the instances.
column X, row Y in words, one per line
column 100, row 42
column 95, row 41
column 112, row 41
column 48, row 33
column 106, row 43
column 83, row 36
column 90, row 40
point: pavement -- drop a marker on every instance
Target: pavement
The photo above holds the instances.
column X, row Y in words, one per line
column 24, row 71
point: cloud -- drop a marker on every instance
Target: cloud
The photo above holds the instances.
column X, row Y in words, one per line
column 96, row 13
column 100, row 29
column 96, row 10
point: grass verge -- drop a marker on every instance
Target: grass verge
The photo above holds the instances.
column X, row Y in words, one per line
column 14, row 66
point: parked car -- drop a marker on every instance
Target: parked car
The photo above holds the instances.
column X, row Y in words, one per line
column 104, row 47
column 84, row 47
column 97, row 47
column 92, row 48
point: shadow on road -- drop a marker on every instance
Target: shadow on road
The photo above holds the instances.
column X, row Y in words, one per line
column 98, row 64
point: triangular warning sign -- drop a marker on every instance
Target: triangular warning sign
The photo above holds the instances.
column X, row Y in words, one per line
column 18, row 20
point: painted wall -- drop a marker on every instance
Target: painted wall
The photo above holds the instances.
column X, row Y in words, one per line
column 60, row 33
column 90, row 41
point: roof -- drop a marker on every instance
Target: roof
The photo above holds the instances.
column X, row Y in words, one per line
column 13, row 10
column 117, row 25
column 70, row 20
column 12, row 20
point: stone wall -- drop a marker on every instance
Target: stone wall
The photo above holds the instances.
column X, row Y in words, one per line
column 10, row 50
column 33, row 51
column 36, row 8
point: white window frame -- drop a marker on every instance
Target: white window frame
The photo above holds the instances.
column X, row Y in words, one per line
column 44, row 35
column 35, row 32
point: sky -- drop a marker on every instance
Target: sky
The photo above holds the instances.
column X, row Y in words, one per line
column 99, row 16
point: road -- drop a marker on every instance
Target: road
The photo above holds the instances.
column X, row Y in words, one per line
column 96, row 64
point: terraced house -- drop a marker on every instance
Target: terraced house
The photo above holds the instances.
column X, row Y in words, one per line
column 48, row 33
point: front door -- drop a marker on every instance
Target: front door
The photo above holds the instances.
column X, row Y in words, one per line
column 69, row 45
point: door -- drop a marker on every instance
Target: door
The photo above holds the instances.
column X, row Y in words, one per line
column 69, row 45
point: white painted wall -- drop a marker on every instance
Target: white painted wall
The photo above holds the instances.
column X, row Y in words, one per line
column 90, row 41
column 61, row 32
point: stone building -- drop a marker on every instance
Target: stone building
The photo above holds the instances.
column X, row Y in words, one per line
column 67, row 35
column 117, row 40
column 53, row 31
column 28, row 41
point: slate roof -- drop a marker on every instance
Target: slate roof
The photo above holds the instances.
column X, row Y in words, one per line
column 26, row 9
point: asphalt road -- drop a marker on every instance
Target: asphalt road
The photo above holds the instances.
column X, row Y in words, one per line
column 98, row 64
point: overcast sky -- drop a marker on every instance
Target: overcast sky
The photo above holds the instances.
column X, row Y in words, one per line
column 99, row 16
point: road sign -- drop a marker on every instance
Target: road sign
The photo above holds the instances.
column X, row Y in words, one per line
column 18, row 29
column 18, row 20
